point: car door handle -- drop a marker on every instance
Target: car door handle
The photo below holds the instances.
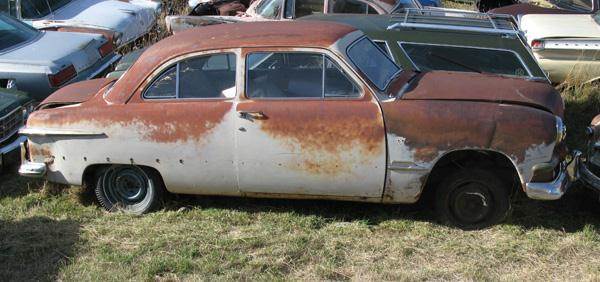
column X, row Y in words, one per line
column 252, row 115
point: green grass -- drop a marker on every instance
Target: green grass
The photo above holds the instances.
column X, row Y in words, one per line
column 52, row 233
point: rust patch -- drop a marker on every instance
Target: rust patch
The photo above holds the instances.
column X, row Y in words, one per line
column 163, row 122
column 323, row 132
column 433, row 127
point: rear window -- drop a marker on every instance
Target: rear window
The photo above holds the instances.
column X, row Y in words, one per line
column 373, row 62
column 13, row 32
column 466, row 59
column 33, row 9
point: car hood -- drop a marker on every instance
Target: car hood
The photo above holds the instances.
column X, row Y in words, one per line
column 177, row 24
column 78, row 49
column 75, row 93
column 559, row 26
column 132, row 21
column 11, row 100
column 463, row 86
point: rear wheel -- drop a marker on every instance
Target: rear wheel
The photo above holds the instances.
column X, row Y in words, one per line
column 128, row 188
column 472, row 199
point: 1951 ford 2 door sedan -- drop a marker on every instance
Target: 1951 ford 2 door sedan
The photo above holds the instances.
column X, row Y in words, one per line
column 300, row 110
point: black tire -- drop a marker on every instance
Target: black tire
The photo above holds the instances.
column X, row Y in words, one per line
column 472, row 199
column 128, row 188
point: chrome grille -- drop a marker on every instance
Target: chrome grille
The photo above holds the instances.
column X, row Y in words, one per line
column 10, row 124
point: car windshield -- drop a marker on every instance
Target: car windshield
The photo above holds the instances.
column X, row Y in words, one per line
column 575, row 5
column 373, row 62
column 270, row 9
column 34, row 9
column 13, row 32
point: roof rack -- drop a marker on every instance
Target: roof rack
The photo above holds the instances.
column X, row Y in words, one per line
column 449, row 19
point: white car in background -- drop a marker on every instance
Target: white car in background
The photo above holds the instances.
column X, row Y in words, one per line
column 120, row 21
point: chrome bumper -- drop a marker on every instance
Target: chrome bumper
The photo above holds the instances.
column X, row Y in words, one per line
column 35, row 170
column 584, row 174
column 550, row 190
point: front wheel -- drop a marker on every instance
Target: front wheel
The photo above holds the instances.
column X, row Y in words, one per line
column 472, row 199
column 128, row 188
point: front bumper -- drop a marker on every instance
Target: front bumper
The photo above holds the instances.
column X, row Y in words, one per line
column 553, row 190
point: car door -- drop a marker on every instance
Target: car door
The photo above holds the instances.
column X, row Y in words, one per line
column 186, row 123
column 306, row 127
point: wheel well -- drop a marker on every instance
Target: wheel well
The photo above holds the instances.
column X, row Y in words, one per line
column 456, row 160
column 89, row 174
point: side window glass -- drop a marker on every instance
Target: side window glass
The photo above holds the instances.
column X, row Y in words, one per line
column 456, row 58
column 207, row 77
column 383, row 46
column 372, row 11
column 211, row 76
column 164, row 86
column 308, row 7
column 337, row 83
column 9, row 7
column 347, row 7
column 296, row 75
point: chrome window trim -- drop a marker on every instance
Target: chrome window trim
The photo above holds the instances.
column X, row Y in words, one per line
column 387, row 83
column 387, row 48
column 324, row 54
column 530, row 75
column 154, row 75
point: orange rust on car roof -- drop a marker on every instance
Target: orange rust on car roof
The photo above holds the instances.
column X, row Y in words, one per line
column 315, row 34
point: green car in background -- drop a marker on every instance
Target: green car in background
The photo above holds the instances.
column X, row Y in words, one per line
column 450, row 40
column 15, row 106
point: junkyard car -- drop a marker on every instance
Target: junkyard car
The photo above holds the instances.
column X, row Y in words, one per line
column 119, row 21
column 274, row 10
column 39, row 62
column 317, row 111
column 588, row 162
column 14, row 108
column 552, row 7
column 428, row 39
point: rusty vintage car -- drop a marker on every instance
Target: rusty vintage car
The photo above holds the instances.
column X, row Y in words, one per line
column 312, row 110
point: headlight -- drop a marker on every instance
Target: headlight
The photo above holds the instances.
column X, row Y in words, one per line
column 27, row 109
column 561, row 130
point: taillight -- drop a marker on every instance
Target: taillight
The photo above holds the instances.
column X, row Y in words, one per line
column 537, row 44
column 106, row 49
column 62, row 76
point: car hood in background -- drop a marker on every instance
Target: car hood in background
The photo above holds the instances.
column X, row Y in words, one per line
column 53, row 51
column 131, row 20
column 559, row 26
column 11, row 100
column 176, row 24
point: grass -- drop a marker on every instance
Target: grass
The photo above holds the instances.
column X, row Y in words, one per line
column 52, row 233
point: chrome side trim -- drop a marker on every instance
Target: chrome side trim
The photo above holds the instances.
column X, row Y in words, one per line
column 28, row 131
column 406, row 166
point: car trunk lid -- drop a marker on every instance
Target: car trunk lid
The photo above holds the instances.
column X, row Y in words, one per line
column 75, row 93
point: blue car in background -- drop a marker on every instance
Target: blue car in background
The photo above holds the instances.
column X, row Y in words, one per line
column 40, row 62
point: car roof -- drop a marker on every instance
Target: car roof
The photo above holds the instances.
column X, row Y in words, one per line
column 307, row 34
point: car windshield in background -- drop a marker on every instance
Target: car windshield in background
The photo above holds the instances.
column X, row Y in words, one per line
column 34, row 9
column 574, row 5
column 13, row 32
column 8, row 7
column 270, row 9
column 405, row 4
column 373, row 62
column 467, row 59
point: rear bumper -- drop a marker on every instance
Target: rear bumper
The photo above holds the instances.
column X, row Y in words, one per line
column 553, row 190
